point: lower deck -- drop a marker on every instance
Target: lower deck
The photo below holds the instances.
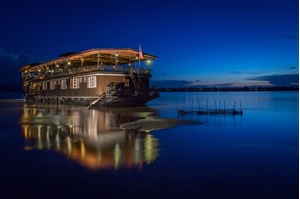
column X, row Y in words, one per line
column 93, row 89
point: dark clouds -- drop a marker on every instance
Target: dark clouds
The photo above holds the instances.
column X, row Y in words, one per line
column 242, row 72
column 10, row 63
column 170, row 83
column 280, row 80
column 289, row 80
column 185, row 84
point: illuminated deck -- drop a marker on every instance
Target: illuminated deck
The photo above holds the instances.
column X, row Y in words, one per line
column 96, row 75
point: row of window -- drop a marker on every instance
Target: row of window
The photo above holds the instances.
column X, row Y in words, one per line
column 74, row 83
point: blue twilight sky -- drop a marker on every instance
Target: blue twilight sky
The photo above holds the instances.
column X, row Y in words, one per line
column 198, row 43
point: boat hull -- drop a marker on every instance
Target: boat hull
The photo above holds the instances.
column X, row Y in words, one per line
column 112, row 101
column 126, row 101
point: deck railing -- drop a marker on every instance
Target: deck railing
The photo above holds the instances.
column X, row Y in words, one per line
column 82, row 70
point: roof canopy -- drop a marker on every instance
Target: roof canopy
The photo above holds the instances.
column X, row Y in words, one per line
column 106, row 56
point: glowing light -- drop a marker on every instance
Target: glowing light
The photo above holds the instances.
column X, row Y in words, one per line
column 39, row 138
column 117, row 156
column 151, row 148
column 69, row 144
column 69, row 62
column 82, row 148
column 57, row 139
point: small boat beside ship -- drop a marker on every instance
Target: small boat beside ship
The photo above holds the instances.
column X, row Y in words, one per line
column 110, row 77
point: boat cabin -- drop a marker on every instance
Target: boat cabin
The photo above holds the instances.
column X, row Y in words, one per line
column 103, row 77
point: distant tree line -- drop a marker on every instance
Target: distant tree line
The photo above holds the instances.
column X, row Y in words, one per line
column 228, row 89
column 18, row 88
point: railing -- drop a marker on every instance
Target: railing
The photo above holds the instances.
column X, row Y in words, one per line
column 82, row 70
column 133, row 77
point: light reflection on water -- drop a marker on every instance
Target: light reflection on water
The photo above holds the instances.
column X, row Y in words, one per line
column 91, row 137
column 255, row 155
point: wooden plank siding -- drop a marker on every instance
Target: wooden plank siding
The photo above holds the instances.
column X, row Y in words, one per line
column 83, row 91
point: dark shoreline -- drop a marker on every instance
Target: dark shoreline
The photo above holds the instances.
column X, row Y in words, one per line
column 18, row 89
column 279, row 88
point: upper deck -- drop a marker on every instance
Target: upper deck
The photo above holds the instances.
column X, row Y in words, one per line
column 112, row 60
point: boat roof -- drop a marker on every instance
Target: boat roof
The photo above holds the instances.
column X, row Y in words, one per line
column 108, row 56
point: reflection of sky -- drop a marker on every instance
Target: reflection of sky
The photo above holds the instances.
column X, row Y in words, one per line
column 274, row 114
column 249, row 156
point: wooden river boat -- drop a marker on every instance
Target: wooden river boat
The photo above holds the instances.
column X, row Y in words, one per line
column 116, row 77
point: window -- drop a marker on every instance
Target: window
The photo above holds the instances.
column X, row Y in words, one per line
column 52, row 85
column 75, row 83
column 44, row 86
column 63, row 84
column 92, row 82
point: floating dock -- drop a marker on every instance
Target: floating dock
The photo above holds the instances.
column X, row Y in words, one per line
column 212, row 112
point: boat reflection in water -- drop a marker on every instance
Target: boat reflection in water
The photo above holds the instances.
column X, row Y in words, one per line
column 91, row 137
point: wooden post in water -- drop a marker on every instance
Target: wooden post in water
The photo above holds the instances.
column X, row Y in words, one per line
column 207, row 104
column 241, row 105
column 216, row 105
column 192, row 104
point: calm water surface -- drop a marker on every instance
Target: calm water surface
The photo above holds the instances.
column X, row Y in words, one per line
column 60, row 151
